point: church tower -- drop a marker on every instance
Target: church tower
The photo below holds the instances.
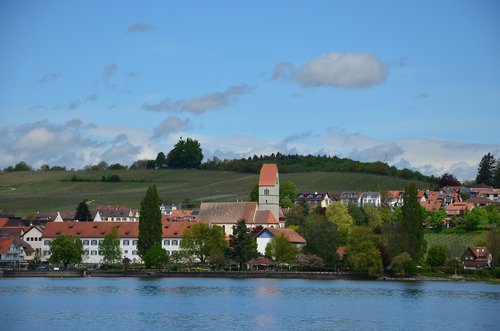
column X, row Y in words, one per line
column 269, row 189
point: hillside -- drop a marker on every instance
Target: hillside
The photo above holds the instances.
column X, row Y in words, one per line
column 26, row 192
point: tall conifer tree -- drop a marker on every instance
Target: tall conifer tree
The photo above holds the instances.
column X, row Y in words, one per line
column 412, row 219
column 485, row 172
column 149, row 221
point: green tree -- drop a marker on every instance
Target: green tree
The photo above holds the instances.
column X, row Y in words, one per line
column 110, row 247
column 185, row 154
column 493, row 244
column 82, row 212
column 494, row 216
column 373, row 216
column 403, row 265
column 22, row 166
column 321, row 238
column 485, row 171
column 243, row 246
column 474, row 217
column 413, row 215
column 295, row 216
column 288, row 192
column 66, row 249
column 496, row 176
column 435, row 219
column 203, row 241
column 150, row 229
column 337, row 214
column 156, row 257
column 357, row 214
column 254, row 193
column 436, row 256
column 161, row 161
column 282, row 250
column 362, row 253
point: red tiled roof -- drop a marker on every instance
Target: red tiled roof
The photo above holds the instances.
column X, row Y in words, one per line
column 5, row 243
column 459, row 206
column 264, row 217
column 479, row 252
column 268, row 174
column 3, row 221
column 227, row 212
column 289, row 234
column 431, row 205
column 100, row 229
column 394, row 194
column 341, row 252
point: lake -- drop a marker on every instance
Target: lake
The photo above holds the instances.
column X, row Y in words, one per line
column 245, row 304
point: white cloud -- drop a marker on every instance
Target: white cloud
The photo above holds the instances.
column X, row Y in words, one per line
column 348, row 70
column 200, row 104
column 170, row 125
column 35, row 139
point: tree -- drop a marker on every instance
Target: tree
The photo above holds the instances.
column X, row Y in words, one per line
column 448, row 179
column 337, row 214
column 22, row 166
column 156, row 257
column 403, row 265
column 310, row 261
column 413, row 216
column 485, row 170
column 161, row 161
column 321, row 238
column 282, row 250
column 496, row 177
column 436, row 256
column 110, row 247
column 82, row 212
column 288, row 192
column 474, row 217
column 494, row 216
column 373, row 216
column 66, row 249
column 149, row 221
column 243, row 246
column 117, row 166
column 254, row 193
column 295, row 216
column 493, row 244
column 203, row 241
column 362, row 253
column 357, row 214
column 185, row 154
column 435, row 219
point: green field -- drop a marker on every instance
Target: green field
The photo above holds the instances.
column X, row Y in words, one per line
column 447, row 239
column 23, row 193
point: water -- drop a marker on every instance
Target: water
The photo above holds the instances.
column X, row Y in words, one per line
column 248, row 304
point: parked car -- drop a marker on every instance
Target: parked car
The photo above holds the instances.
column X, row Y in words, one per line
column 45, row 268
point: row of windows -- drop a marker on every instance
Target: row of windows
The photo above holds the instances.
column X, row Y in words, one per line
column 33, row 239
column 124, row 242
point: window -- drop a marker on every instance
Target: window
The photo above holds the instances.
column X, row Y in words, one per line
column 166, row 242
column 93, row 253
column 134, row 242
column 86, row 242
column 126, row 243
column 93, row 242
column 86, row 252
column 45, row 253
column 175, row 242
column 134, row 252
column 46, row 242
column 126, row 252
column 266, row 191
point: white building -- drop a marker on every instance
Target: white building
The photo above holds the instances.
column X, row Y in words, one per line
column 265, row 236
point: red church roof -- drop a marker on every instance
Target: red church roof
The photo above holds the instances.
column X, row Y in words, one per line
column 268, row 174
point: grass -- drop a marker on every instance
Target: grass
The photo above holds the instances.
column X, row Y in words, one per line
column 24, row 193
column 448, row 238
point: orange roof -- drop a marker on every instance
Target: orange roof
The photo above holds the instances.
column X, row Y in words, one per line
column 3, row 221
column 289, row 234
column 181, row 213
column 264, row 217
column 459, row 206
column 100, row 229
column 394, row 194
column 268, row 174
column 341, row 252
column 5, row 243
column 431, row 205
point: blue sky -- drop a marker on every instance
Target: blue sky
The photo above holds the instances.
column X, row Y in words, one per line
column 416, row 84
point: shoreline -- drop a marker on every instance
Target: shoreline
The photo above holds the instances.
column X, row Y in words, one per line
column 227, row 274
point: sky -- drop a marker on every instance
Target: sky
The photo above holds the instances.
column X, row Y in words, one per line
column 415, row 84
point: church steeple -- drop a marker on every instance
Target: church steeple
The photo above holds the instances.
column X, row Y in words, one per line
column 269, row 189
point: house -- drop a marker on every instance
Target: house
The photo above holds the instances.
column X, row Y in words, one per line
column 227, row 214
column 179, row 215
column 395, row 199
column 92, row 233
column 480, row 201
column 265, row 236
column 370, row 198
column 459, row 208
column 10, row 253
column 269, row 189
column 347, row 198
column 33, row 236
column 431, row 206
column 492, row 194
column 314, row 199
column 115, row 214
column 477, row 258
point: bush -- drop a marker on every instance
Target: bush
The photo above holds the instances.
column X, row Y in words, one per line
column 436, row 256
